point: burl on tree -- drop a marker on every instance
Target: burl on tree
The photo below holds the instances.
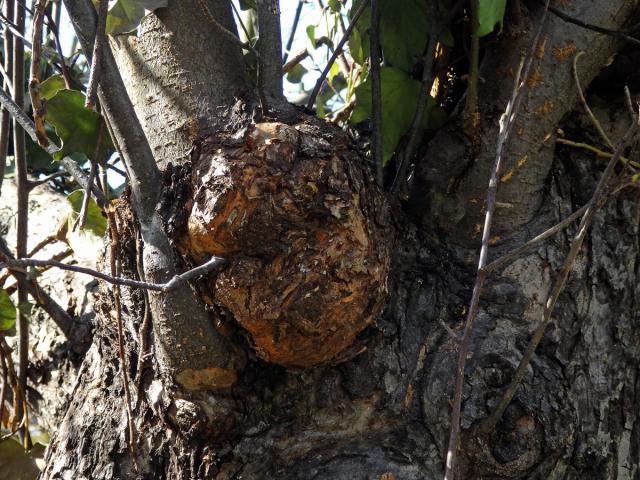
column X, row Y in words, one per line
column 305, row 232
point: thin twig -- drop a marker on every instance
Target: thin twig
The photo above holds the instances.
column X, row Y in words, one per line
column 213, row 264
column 96, row 61
column 60, row 317
column 583, row 100
column 225, row 33
column 336, row 52
column 597, row 151
column 34, row 82
column 35, row 183
column 425, row 88
column 498, row 263
column 22, row 210
column 5, row 121
column 558, row 286
column 113, row 253
column 596, row 28
column 53, row 27
column 506, row 126
column 295, row 60
column 294, row 27
column 82, row 218
column 376, row 92
column 239, row 18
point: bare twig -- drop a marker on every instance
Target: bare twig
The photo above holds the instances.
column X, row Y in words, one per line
column 336, row 52
column 506, row 125
column 427, row 80
column 96, row 62
column 239, row 18
column 584, row 103
column 61, row 318
column 376, row 92
column 82, row 218
column 53, row 27
column 294, row 27
column 5, row 121
column 295, row 60
column 597, row 151
column 560, row 282
column 35, row 183
column 71, row 166
column 213, row 264
column 607, row 31
column 498, row 263
column 34, row 82
column 113, row 258
column 22, row 210
column 225, row 33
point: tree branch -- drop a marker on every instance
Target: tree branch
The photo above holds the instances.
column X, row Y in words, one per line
column 136, row 153
column 215, row 263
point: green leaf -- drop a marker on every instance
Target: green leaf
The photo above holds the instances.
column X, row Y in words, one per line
column 335, row 5
column 403, row 32
column 399, row 98
column 96, row 222
column 490, row 13
column 75, row 125
column 7, row 311
column 296, row 73
column 17, row 463
column 311, row 33
column 125, row 15
column 51, row 86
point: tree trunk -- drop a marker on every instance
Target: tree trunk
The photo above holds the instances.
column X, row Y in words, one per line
column 381, row 409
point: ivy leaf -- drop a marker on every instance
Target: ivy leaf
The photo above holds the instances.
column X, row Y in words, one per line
column 96, row 222
column 7, row 311
column 311, row 33
column 75, row 125
column 403, row 31
column 51, row 86
column 125, row 15
column 490, row 13
column 399, row 98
